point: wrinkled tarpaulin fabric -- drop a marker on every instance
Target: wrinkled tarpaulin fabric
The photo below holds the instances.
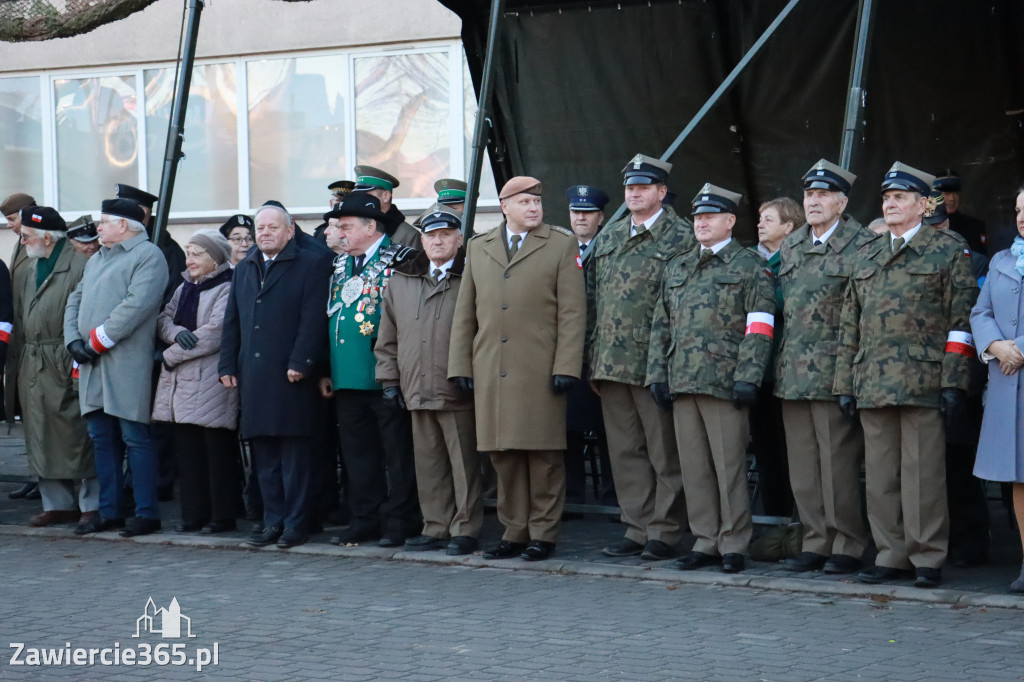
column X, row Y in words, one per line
column 582, row 87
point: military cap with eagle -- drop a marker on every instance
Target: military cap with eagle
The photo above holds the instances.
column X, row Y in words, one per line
column 586, row 198
column 714, row 199
column 450, row 191
column 368, row 177
column 645, row 170
column 827, row 175
column 902, row 176
column 440, row 219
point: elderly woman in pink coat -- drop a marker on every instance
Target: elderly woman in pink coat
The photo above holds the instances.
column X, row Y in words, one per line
column 997, row 322
column 189, row 395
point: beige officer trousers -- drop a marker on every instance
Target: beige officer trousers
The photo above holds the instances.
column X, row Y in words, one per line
column 712, row 437
column 645, row 464
column 825, row 454
column 531, row 493
column 447, row 472
column 905, row 472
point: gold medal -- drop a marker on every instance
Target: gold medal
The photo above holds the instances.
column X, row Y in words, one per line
column 366, row 328
column 358, row 317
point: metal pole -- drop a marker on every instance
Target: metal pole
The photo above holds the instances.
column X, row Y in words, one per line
column 717, row 94
column 853, row 121
column 176, row 128
column 482, row 119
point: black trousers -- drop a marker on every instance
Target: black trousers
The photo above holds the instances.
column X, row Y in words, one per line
column 769, row 442
column 284, row 465
column 210, row 471
column 376, row 448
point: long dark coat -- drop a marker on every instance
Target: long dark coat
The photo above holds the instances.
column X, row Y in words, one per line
column 270, row 327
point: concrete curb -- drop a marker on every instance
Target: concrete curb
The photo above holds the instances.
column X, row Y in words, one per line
column 879, row 593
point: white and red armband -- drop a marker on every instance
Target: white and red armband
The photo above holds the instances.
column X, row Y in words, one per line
column 960, row 342
column 99, row 340
column 761, row 323
column 5, row 331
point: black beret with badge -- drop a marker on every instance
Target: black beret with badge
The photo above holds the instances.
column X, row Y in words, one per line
column 827, row 175
column 440, row 219
column 904, row 177
column 142, row 198
column 586, row 198
column 714, row 199
column 42, row 218
column 83, row 230
column 123, row 208
column 645, row 170
column 237, row 220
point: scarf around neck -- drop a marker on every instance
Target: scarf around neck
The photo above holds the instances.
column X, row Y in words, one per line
column 188, row 302
column 1017, row 249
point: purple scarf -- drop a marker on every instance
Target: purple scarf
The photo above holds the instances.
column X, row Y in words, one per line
column 188, row 301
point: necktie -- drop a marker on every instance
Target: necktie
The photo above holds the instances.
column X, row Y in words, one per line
column 437, row 274
column 265, row 265
column 513, row 248
column 357, row 266
column 705, row 256
column 817, row 242
column 897, row 244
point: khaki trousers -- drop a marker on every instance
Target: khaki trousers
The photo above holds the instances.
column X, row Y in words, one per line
column 825, row 454
column 531, row 493
column 905, row 469
column 645, row 464
column 447, row 472
column 712, row 436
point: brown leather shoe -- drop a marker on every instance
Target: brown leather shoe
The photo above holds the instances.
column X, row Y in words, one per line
column 54, row 516
column 87, row 517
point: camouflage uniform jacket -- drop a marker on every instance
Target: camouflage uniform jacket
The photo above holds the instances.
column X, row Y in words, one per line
column 622, row 287
column 713, row 322
column 904, row 329
column 813, row 280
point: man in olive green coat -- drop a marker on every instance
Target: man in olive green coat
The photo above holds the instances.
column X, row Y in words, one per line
column 825, row 449
column 517, row 343
column 627, row 259
column 59, row 449
column 903, row 359
column 711, row 339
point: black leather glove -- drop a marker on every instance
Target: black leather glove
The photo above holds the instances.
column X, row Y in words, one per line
column 158, row 355
column 82, row 353
column 952, row 406
column 562, row 383
column 464, row 384
column 186, row 340
column 394, row 399
column 662, row 396
column 848, row 406
column 744, row 394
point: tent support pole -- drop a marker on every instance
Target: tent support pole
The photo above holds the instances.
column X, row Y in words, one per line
column 176, row 127
column 726, row 85
column 483, row 121
column 853, row 121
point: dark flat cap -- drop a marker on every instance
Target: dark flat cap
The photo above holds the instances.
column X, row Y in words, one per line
column 123, row 208
column 142, row 198
column 521, row 184
column 16, row 202
column 42, row 218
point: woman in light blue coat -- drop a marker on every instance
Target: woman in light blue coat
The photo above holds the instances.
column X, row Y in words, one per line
column 997, row 323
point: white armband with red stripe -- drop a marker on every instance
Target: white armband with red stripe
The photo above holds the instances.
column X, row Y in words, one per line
column 5, row 331
column 960, row 342
column 99, row 340
column 761, row 323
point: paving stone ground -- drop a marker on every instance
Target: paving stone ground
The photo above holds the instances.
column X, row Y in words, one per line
column 302, row 616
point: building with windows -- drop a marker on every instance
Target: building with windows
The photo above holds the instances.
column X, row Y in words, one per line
column 285, row 98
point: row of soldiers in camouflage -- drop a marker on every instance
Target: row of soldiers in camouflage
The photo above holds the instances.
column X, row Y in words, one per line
column 876, row 332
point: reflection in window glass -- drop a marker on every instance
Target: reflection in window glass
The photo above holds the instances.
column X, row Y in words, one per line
column 21, row 137
column 296, row 129
column 487, row 187
column 97, row 139
column 207, row 178
column 402, row 122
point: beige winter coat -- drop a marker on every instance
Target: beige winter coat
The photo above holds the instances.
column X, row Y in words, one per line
column 191, row 392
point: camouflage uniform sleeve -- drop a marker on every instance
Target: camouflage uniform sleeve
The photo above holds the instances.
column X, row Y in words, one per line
column 962, row 293
column 849, row 341
column 590, row 282
column 756, row 347
column 661, row 339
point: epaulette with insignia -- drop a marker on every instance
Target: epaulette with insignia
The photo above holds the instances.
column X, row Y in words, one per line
column 567, row 233
column 397, row 253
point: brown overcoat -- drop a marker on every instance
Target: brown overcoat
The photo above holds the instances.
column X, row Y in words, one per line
column 516, row 325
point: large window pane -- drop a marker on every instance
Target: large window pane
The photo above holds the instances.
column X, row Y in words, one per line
column 296, row 129
column 21, row 137
column 402, row 122
column 487, row 188
column 207, row 178
column 97, row 139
